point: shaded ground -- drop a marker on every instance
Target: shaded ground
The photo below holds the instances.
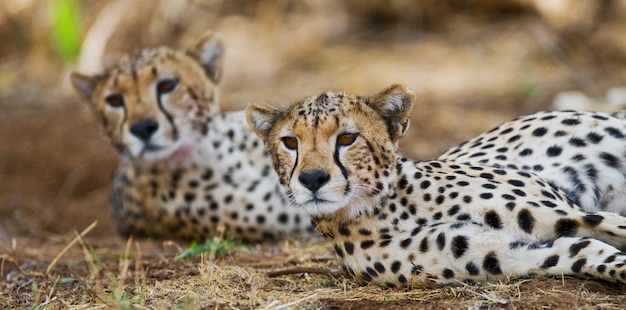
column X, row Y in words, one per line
column 471, row 72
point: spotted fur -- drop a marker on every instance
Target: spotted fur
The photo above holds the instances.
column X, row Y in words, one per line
column 187, row 171
column 395, row 221
column 583, row 153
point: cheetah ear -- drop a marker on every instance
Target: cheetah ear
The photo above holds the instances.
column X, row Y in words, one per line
column 209, row 51
column 394, row 104
column 260, row 119
column 85, row 85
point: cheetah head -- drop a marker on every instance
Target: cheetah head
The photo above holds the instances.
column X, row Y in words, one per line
column 335, row 152
column 155, row 104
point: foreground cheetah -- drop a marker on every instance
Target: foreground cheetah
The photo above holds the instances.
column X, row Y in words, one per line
column 187, row 171
column 393, row 219
column 583, row 153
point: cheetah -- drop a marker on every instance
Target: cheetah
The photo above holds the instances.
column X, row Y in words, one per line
column 396, row 222
column 187, row 171
column 583, row 153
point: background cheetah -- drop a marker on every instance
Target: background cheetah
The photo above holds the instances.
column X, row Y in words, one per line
column 394, row 220
column 582, row 153
column 187, row 171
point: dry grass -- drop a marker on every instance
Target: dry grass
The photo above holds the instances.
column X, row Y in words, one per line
column 266, row 277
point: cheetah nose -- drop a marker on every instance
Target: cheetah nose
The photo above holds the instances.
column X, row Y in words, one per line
column 314, row 180
column 144, row 129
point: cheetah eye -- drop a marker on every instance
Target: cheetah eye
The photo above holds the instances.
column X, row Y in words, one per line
column 115, row 100
column 346, row 139
column 166, row 86
column 290, row 143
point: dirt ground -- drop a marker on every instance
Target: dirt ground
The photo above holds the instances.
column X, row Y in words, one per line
column 472, row 67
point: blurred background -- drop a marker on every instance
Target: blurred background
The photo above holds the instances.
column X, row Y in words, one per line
column 472, row 63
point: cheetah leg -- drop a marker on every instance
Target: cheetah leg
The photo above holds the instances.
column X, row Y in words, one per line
column 606, row 226
column 580, row 256
column 481, row 254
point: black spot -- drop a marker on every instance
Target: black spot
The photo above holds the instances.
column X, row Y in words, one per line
column 519, row 192
column 566, row 227
column 478, row 154
column 554, row 151
column 614, row 132
column 424, row 245
column 454, row 210
column 514, row 138
column 508, row 197
column 593, row 220
column 493, row 219
column 467, row 199
column 228, row 198
column 491, row 264
column 365, row 232
column 462, row 183
column 516, row 245
column 367, row 244
column 283, row 218
column 366, row 277
column 489, row 186
column 447, row 273
column 570, row 121
column 344, row 230
column 463, row 217
column 504, row 132
column 339, row 251
column 402, row 279
column 379, row 267
column 486, row 196
column 560, row 133
column 578, row 265
column 538, row 132
column 575, row 248
column 594, row 137
column 349, row 246
column 190, row 197
column 384, row 243
column 459, row 246
column 577, row 142
column 610, row 160
column 395, row 266
column 441, row 241
column 371, row 271
column 551, row 261
column 526, row 152
column 517, row 183
column 425, row 184
column 472, row 269
column 548, row 204
column 510, row 206
column 439, row 200
column 402, row 184
column 486, row 175
column 601, row 268
column 405, row 243
column 526, row 221
column 416, row 231
column 437, row 216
